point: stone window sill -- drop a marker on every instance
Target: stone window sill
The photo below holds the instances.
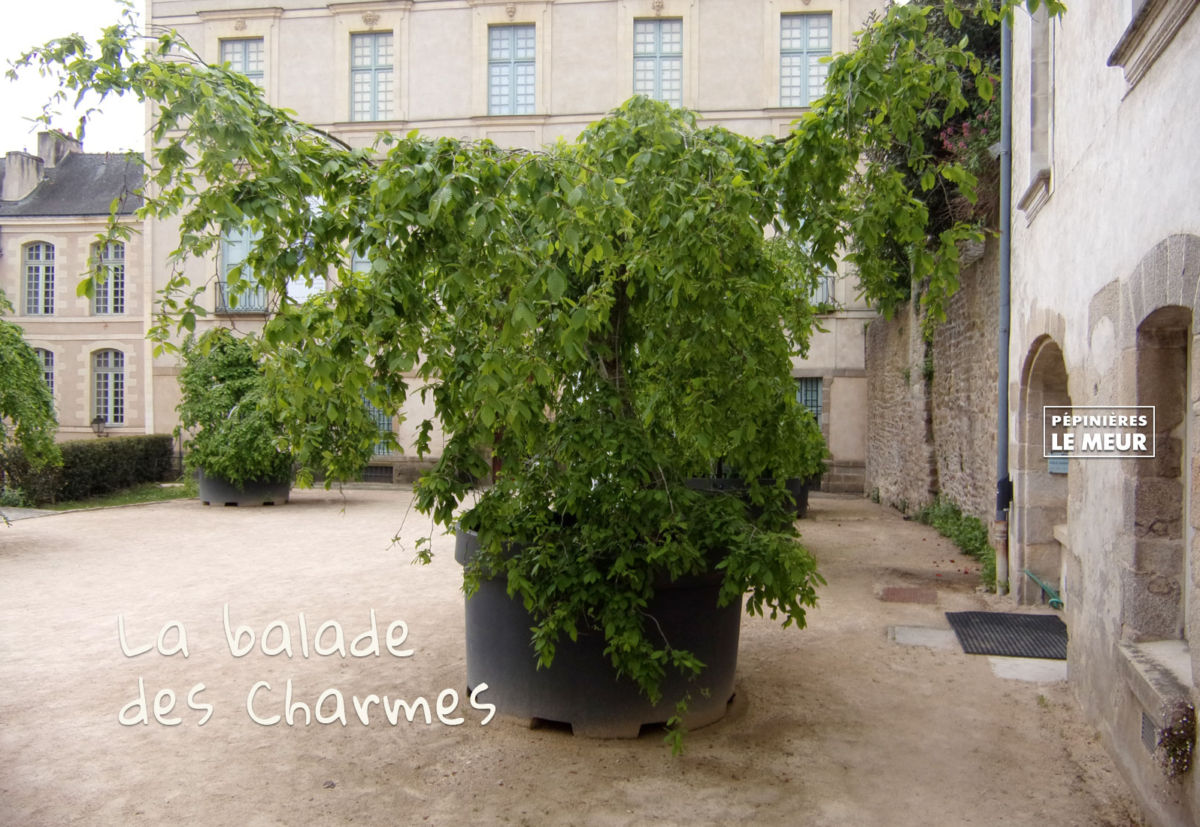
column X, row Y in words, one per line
column 1150, row 32
column 1160, row 674
column 1036, row 196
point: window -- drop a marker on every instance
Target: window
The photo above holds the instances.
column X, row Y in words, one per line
column 109, row 296
column 512, row 83
column 658, row 60
column 245, row 56
column 39, row 278
column 804, row 39
column 108, row 383
column 808, row 394
column 251, row 297
column 371, row 76
column 822, row 293
column 46, row 357
column 383, row 422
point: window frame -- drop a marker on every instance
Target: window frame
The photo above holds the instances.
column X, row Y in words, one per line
column 384, row 424
column 658, row 57
column 805, row 52
column 513, row 62
column 46, row 359
column 376, row 71
column 250, row 299
column 38, row 301
column 108, row 396
column 112, row 289
column 257, row 77
column 805, row 386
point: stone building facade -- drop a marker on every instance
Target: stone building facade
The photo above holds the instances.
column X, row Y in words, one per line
column 1105, row 296
column 523, row 74
column 94, row 353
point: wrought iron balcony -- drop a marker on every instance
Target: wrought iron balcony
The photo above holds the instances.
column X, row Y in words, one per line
column 246, row 300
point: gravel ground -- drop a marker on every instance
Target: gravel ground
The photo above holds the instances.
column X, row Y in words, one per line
column 836, row 724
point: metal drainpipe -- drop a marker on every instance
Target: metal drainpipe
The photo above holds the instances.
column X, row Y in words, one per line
column 1004, row 487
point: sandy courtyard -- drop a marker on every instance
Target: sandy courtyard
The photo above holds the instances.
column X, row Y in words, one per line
column 833, row 725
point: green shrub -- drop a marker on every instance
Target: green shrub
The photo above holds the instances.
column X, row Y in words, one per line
column 967, row 532
column 230, row 433
column 90, row 467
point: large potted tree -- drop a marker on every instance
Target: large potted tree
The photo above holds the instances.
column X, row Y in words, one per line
column 232, row 438
column 623, row 331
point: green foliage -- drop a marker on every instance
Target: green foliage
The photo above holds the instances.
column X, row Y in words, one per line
column 235, row 433
column 27, row 419
column 967, row 532
column 862, row 169
column 604, row 317
column 89, row 468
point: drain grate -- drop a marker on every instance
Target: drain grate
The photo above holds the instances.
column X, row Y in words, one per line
column 1010, row 635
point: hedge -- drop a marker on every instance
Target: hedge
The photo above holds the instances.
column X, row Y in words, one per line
column 90, row 468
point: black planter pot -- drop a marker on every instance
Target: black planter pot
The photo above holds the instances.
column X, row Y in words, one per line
column 580, row 688
column 255, row 492
column 798, row 488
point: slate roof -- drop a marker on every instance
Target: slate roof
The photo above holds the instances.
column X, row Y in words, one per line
column 83, row 183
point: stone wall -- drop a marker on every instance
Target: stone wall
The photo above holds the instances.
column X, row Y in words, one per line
column 900, row 468
column 964, row 389
column 931, row 408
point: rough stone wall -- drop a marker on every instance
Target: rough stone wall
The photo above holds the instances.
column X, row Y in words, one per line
column 964, row 389
column 931, row 422
column 900, row 469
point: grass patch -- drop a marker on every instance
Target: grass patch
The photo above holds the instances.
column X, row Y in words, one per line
column 967, row 532
column 147, row 492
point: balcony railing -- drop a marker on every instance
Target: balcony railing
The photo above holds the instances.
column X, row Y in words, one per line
column 246, row 300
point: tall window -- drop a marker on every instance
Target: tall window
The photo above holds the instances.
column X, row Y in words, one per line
column 39, row 278
column 383, row 422
column 804, row 39
column 46, row 357
column 251, row 297
column 658, row 60
column 245, row 56
column 371, row 76
column 109, row 296
column 512, row 80
column 808, row 394
column 108, row 383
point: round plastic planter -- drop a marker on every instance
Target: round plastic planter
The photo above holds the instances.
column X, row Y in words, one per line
column 255, row 492
column 797, row 487
column 580, row 687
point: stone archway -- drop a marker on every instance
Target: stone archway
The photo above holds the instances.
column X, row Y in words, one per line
column 1040, row 496
column 1154, row 588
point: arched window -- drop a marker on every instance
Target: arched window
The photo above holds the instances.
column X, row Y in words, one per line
column 39, row 278
column 46, row 357
column 108, row 384
column 109, row 296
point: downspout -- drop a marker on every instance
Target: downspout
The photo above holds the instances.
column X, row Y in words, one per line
column 1004, row 487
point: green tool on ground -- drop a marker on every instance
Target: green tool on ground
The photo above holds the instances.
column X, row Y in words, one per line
column 1055, row 600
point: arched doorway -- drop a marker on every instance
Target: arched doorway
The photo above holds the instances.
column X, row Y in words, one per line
column 1039, row 484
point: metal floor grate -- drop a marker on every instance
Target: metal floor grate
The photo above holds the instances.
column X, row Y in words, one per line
column 1010, row 635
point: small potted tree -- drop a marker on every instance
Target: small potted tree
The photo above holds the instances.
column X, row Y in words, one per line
column 232, row 442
